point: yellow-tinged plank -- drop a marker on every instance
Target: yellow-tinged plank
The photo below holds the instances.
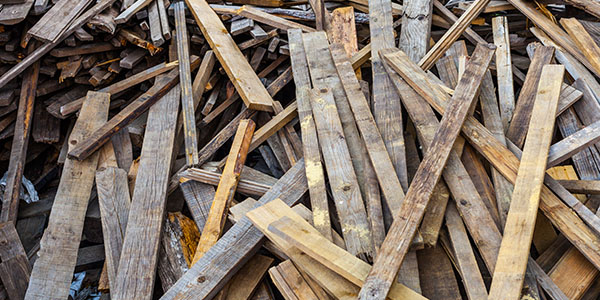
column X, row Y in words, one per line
column 236, row 66
column 278, row 221
column 226, row 188
column 583, row 40
column 518, row 232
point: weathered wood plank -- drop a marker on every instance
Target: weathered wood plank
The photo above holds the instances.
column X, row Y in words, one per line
column 53, row 270
column 518, row 231
column 347, row 197
column 310, row 141
column 18, row 151
column 506, row 94
column 15, row 268
column 211, row 272
column 226, row 189
column 269, row 19
column 404, row 227
column 583, row 40
column 140, row 246
column 236, row 66
column 290, row 282
column 131, row 10
column 55, row 21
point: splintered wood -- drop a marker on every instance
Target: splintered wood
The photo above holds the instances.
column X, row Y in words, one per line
column 281, row 149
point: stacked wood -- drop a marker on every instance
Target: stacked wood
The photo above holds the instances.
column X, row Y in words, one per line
column 194, row 149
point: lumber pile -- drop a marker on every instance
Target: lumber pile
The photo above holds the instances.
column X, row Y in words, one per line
column 280, row 149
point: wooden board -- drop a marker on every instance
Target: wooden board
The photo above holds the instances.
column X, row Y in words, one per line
column 14, row 13
column 583, row 40
column 55, row 21
column 15, row 268
column 347, row 198
column 238, row 69
column 386, row 102
column 310, row 141
column 404, row 227
column 290, row 282
column 506, row 94
column 185, row 82
column 53, row 270
column 269, row 19
column 18, row 151
column 226, row 190
column 114, row 202
column 209, row 274
column 142, row 237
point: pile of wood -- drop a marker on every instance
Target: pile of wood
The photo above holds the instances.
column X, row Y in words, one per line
column 315, row 149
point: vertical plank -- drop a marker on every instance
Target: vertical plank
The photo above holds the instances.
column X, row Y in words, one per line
column 506, row 94
column 310, row 141
column 185, row 82
column 346, row 193
column 386, row 102
column 135, row 277
column 396, row 244
column 518, row 232
column 437, row 275
column 53, row 270
column 290, row 282
column 18, row 151
column 226, row 188
column 15, row 268
column 236, row 66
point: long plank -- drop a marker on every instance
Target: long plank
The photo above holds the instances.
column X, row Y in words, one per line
column 18, row 151
column 15, row 268
column 522, row 114
column 506, row 94
column 236, row 246
column 503, row 160
column 226, row 188
column 247, row 84
column 283, row 222
column 53, row 270
column 271, row 20
column 310, row 141
column 188, row 108
column 343, row 181
column 128, row 114
column 397, row 242
column 385, row 100
column 131, row 10
column 49, row 27
column 416, row 27
column 135, row 277
column 518, row 231
column 11, row 14
column 583, row 40
column 114, row 201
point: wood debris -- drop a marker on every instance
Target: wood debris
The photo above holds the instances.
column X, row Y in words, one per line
column 282, row 149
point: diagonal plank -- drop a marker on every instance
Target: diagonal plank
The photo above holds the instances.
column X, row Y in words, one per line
column 403, row 229
column 247, row 84
column 518, row 231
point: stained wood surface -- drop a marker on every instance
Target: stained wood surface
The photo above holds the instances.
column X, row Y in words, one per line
column 53, row 270
column 140, row 246
column 15, row 268
column 235, row 64
column 226, row 189
column 57, row 19
column 506, row 94
column 236, row 246
column 583, row 40
column 404, row 227
column 310, row 141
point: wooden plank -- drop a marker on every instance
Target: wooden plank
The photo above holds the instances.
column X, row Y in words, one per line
column 236, row 66
column 226, row 189
column 573, row 144
column 512, row 258
column 127, row 115
column 452, row 34
column 244, row 283
column 236, row 246
column 185, row 79
column 437, row 275
column 380, row 159
column 286, row 224
column 290, row 282
column 269, row 19
column 53, row 270
column 591, row 187
column 55, row 21
column 465, row 258
column 131, row 11
column 142, row 237
column 477, row 217
column 114, row 201
column 404, row 227
column 155, row 28
column 347, row 198
column 583, row 40
column 416, row 27
column 11, row 14
column 310, row 141
column 18, row 151
column 520, row 122
column 506, row 93
column 385, row 101
column 15, row 268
